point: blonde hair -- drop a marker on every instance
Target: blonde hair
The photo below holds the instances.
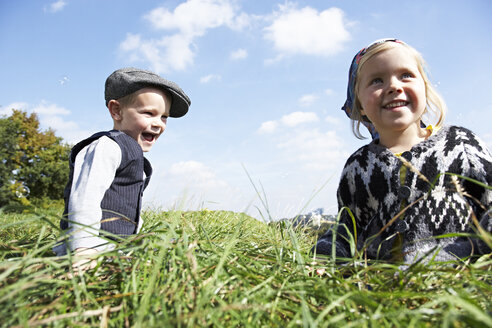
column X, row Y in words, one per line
column 127, row 100
column 434, row 102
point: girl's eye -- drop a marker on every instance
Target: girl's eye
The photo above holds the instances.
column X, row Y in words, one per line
column 407, row 75
column 376, row 81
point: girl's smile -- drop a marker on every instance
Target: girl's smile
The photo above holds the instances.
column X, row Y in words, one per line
column 395, row 104
column 392, row 95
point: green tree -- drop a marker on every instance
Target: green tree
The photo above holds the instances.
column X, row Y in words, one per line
column 8, row 145
column 35, row 161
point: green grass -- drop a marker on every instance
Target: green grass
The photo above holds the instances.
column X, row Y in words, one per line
column 223, row 269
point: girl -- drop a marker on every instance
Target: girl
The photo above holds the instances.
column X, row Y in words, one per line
column 395, row 186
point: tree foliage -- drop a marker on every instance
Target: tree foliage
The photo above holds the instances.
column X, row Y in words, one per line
column 34, row 161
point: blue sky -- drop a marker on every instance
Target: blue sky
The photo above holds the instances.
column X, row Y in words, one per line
column 266, row 80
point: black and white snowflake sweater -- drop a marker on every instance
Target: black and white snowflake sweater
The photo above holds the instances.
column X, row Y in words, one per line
column 376, row 186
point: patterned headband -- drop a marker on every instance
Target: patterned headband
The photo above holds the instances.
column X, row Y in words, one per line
column 347, row 107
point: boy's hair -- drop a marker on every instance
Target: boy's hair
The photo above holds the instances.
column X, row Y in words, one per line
column 130, row 99
column 435, row 103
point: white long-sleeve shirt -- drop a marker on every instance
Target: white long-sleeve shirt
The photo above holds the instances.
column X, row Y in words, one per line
column 93, row 173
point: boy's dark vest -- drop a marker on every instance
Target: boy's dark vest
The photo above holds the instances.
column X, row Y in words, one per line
column 122, row 201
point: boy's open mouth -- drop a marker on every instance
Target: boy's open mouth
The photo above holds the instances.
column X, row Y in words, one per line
column 148, row 136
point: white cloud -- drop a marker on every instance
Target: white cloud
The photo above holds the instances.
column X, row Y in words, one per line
column 55, row 6
column 332, row 120
column 487, row 138
column 210, row 78
column 297, row 118
column 289, row 120
column 7, row 110
column 70, row 131
column 170, row 53
column 268, row 127
column 45, row 108
column 193, row 171
column 194, row 17
column 276, row 59
column 301, row 160
column 307, row 31
column 238, row 54
column 131, row 42
column 329, row 92
column 307, row 100
column 50, row 116
column 241, row 21
column 191, row 185
column 291, row 30
column 306, row 145
column 314, row 149
column 188, row 21
column 194, row 174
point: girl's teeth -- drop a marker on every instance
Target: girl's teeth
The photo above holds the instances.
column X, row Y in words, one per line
column 396, row 104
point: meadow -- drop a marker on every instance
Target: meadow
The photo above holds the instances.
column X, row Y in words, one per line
column 223, row 269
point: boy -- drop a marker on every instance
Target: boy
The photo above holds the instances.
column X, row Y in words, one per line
column 108, row 171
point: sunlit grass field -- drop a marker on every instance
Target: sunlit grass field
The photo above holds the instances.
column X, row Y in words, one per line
column 224, row 269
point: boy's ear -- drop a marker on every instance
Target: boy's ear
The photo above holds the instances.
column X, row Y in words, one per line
column 114, row 109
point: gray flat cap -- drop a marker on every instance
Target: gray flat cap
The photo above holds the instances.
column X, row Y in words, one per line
column 125, row 81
